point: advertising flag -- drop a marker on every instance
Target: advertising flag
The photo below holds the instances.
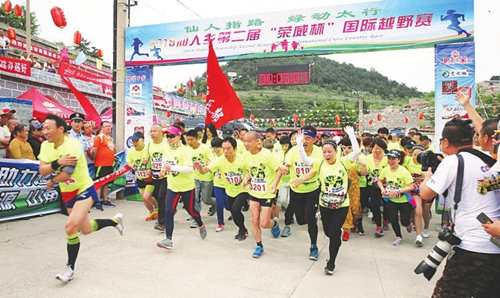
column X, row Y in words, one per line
column 223, row 105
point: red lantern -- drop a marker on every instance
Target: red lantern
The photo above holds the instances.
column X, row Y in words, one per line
column 58, row 17
column 337, row 123
column 252, row 118
column 357, row 126
column 168, row 114
column 337, row 118
column 18, row 11
column 77, row 37
column 379, row 117
column 100, row 53
column 271, row 122
column 421, row 116
column 11, row 33
column 7, row 6
column 406, row 119
column 303, row 122
column 370, row 121
column 295, row 118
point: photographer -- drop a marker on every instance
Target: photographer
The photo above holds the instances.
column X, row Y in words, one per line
column 475, row 266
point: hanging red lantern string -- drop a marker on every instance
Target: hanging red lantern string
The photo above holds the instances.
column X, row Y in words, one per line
column 18, row 11
column 271, row 122
column 252, row 118
column 379, row 117
column 77, row 38
column 421, row 116
column 337, row 118
column 370, row 121
column 168, row 114
column 58, row 17
column 100, row 53
column 11, row 33
column 295, row 118
column 406, row 119
column 7, row 6
column 303, row 122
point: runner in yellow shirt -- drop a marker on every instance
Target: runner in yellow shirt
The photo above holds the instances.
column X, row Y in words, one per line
column 262, row 178
column 63, row 157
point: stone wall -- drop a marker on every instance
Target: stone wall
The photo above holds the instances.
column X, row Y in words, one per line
column 12, row 85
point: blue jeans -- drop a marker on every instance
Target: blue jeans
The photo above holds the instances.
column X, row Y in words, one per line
column 4, row 53
column 222, row 202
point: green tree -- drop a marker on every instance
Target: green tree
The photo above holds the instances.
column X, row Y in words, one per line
column 11, row 20
column 86, row 48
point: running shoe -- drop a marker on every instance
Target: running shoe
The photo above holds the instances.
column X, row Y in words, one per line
column 119, row 226
column 370, row 215
column 156, row 213
column 259, row 250
column 193, row 224
column 230, row 218
column 203, row 231
column 379, row 232
column 330, row 268
column 286, row 232
column 313, row 252
column 353, row 230
column 151, row 216
column 361, row 232
column 409, row 228
column 107, row 203
column 189, row 217
column 66, row 274
column 159, row 227
column 345, row 236
column 166, row 244
column 386, row 225
column 211, row 211
column 398, row 241
column 242, row 235
column 276, row 229
column 98, row 206
column 425, row 233
column 219, row 228
column 419, row 241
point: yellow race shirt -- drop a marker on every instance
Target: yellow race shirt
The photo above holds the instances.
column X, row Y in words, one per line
column 299, row 168
column 231, row 173
column 396, row 180
column 240, row 147
column 333, row 178
column 80, row 179
column 262, row 168
column 135, row 157
column 201, row 154
column 154, row 152
column 179, row 182
column 284, row 178
column 374, row 170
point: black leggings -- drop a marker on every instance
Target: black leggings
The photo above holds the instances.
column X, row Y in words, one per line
column 393, row 210
column 376, row 199
column 160, row 194
column 332, row 220
column 305, row 206
column 235, row 205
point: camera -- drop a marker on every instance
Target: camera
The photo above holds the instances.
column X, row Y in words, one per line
column 446, row 241
column 429, row 159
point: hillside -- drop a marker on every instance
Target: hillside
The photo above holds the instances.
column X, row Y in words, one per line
column 335, row 88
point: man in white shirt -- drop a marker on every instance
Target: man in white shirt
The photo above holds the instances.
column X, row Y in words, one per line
column 4, row 44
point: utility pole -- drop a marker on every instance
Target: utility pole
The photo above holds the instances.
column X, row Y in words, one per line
column 28, row 28
column 118, row 103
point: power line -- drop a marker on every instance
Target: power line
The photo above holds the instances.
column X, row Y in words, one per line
column 178, row 1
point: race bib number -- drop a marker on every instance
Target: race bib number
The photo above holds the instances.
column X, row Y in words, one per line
column 142, row 173
column 301, row 169
column 234, row 179
column 258, row 185
column 156, row 164
column 218, row 175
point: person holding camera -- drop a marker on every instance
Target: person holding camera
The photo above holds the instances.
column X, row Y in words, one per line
column 475, row 266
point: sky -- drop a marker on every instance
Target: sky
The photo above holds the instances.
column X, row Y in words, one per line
column 415, row 68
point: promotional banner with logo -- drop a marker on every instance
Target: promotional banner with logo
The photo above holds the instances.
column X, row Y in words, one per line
column 138, row 101
column 455, row 72
column 357, row 27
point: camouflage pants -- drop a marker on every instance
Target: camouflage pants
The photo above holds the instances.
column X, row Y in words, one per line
column 469, row 274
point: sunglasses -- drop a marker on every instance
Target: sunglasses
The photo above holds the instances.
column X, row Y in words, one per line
column 169, row 136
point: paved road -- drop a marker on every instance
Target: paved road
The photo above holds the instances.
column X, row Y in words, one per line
column 109, row 265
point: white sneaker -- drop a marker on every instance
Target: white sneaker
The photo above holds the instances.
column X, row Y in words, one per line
column 219, row 228
column 120, row 227
column 66, row 274
column 370, row 214
column 425, row 233
column 419, row 241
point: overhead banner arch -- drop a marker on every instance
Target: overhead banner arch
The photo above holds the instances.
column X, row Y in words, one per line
column 359, row 27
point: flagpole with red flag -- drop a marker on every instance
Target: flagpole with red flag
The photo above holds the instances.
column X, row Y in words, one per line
column 223, row 105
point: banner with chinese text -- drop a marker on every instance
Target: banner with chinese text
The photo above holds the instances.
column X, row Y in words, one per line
column 455, row 72
column 358, row 27
column 70, row 71
column 138, row 101
column 15, row 66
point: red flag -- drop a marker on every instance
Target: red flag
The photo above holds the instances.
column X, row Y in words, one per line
column 85, row 103
column 223, row 105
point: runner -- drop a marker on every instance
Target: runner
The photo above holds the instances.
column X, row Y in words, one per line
column 178, row 167
column 304, row 197
column 63, row 157
column 262, row 179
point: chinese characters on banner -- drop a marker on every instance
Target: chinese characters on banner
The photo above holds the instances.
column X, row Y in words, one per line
column 15, row 66
column 67, row 70
column 358, row 27
column 455, row 72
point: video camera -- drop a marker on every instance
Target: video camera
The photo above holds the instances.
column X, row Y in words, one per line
column 429, row 159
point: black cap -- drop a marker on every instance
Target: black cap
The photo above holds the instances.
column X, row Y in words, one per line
column 393, row 153
column 425, row 138
column 76, row 117
column 137, row 136
column 410, row 144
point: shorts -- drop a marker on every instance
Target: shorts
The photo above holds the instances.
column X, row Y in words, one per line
column 88, row 193
column 428, row 201
column 263, row 202
column 149, row 186
column 103, row 171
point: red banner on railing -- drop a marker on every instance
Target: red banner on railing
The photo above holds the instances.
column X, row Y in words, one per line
column 15, row 66
column 72, row 72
